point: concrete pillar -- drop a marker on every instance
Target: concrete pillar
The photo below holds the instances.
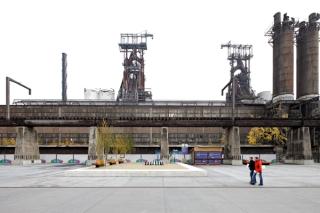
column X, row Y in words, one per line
column 164, row 145
column 27, row 148
column 232, row 154
column 92, row 153
column 299, row 146
column 278, row 149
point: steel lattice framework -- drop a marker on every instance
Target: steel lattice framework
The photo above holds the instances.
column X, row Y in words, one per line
column 239, row 56
column 132, row 87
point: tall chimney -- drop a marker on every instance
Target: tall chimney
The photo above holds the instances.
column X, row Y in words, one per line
column 64, row 77
column 282, row 37
column 308, row 58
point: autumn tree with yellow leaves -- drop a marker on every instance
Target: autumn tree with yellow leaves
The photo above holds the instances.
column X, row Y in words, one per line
column 8, row 142
column 273, row 135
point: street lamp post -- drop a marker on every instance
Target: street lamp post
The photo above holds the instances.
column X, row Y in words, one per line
column 8, row 80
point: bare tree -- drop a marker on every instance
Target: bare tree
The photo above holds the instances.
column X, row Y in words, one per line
column 105, row 139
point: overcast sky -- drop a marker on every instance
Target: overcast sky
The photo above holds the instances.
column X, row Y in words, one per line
column 183, row 61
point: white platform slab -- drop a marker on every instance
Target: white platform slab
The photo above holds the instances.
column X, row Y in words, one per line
column 186, row 171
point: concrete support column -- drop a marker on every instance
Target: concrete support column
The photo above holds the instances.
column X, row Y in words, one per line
column 27, row 148
column 279, row 153
column 164, row 145
column 290, row 146
column 92, row 153
column 299, row 146
column 232, row 154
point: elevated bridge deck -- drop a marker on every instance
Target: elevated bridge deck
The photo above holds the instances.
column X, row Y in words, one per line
column 168, row 122
column 127, row 110
column 143, row 114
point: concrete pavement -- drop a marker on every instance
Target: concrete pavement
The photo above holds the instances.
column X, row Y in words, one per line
column 47, row 188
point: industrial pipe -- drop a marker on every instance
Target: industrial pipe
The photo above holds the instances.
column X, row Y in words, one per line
column 8, row 79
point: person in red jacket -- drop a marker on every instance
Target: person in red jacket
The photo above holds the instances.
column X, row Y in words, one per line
column 258, row 170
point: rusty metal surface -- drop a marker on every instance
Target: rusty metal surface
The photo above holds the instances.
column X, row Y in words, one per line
column 132, row 87
column 308, row 58
column 282, row 40
column 239, row 56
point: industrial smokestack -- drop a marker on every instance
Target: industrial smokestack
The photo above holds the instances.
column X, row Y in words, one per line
column 282, row 39
column 277, row 18
column 64, row 77
column 308, row 58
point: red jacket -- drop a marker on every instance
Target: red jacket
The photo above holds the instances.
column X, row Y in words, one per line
column 258, row 166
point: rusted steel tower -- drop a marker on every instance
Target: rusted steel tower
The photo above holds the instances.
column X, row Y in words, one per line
column 308, row 58
column 282, row 39
column 132, row 87
column 239, row 56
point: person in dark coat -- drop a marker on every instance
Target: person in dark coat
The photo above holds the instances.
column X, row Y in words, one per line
column 252, row 168
column 258, row 170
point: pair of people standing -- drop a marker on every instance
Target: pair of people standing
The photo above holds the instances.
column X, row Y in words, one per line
column 255, row 168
